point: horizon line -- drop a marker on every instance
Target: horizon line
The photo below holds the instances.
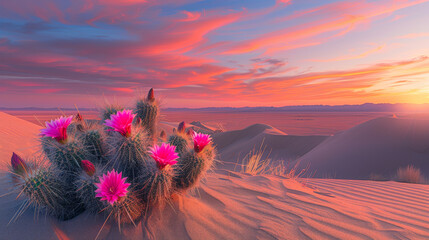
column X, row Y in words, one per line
column 375, row 107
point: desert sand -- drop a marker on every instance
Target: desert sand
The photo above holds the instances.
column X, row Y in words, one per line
column 379, row 146
column 275, row 144
column 17, row 135
column 232, row 205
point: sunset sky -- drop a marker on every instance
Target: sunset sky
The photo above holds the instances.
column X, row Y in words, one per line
column 213, row 52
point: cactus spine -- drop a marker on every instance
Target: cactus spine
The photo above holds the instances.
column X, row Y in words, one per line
column 192, row 166
column 110, row 109
column 128, row 154
column 65, row 156
column 46, row 189
column 128, row 210
column 93, row 143
column 85, row 185
column 180, row 139
column 155, row 186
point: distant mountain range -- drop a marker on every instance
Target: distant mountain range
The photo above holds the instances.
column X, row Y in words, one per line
column 367, row 107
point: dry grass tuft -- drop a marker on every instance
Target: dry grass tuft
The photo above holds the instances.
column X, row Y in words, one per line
column 254, row 163
column 285, row 169
column 409, row 174
column 378, row 177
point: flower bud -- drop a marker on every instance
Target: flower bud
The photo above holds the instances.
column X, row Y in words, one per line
column 163, row 135
column 181, row 128
column 18, row 165
column 88, row 167
column 151, row 95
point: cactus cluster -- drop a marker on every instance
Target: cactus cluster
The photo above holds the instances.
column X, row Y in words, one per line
column 118, row 166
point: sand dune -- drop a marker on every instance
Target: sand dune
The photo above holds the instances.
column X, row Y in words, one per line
column 16, row 135
column 230, row 205
column 238, row 206
column 234, row 145
column 201, row 127
column 379, row 146
column 196, row 126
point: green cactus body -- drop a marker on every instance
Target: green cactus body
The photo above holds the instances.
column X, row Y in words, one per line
column 82, row 126
column 128, row 154
column 109, row 110
column 46, row 189
column 85, row 186
column 181, row 141
column 147, row 113
column 67, row 156
column 155, row 185
column 129, row 209
column 191, row 167
column 93, row 142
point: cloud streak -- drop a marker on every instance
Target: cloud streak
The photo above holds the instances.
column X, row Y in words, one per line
column 202, row 53
column 350, row 57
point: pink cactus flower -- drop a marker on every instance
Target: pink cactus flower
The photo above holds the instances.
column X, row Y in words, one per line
column 112, row 187
column 200, row 141
column 164, row 155
column 121, row 122
column 18, row 165
column 88, row 167
column 57, row 129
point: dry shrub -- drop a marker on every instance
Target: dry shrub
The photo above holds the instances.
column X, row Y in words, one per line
column 377, row 177
column 254, row 163
column 409, row 174
column 285, row 169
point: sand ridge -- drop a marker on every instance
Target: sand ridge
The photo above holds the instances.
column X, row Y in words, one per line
column 17, row 135
column 379, row 146
column 276, row 145
column 239, row 206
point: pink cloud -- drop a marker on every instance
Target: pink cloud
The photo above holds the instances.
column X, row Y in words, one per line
column 353, row 56
column 188, row 54
column 414, row 35
column 190, row 16
column 346, row 16
column 123, row 90
column 49, row 90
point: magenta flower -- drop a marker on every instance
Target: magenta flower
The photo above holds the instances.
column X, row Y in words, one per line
column 164, row 155
column 112, row 187
column 121, row 122
column 57, row 129
column 200, row 141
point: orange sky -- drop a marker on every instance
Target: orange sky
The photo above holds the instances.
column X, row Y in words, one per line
column 213, row 53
